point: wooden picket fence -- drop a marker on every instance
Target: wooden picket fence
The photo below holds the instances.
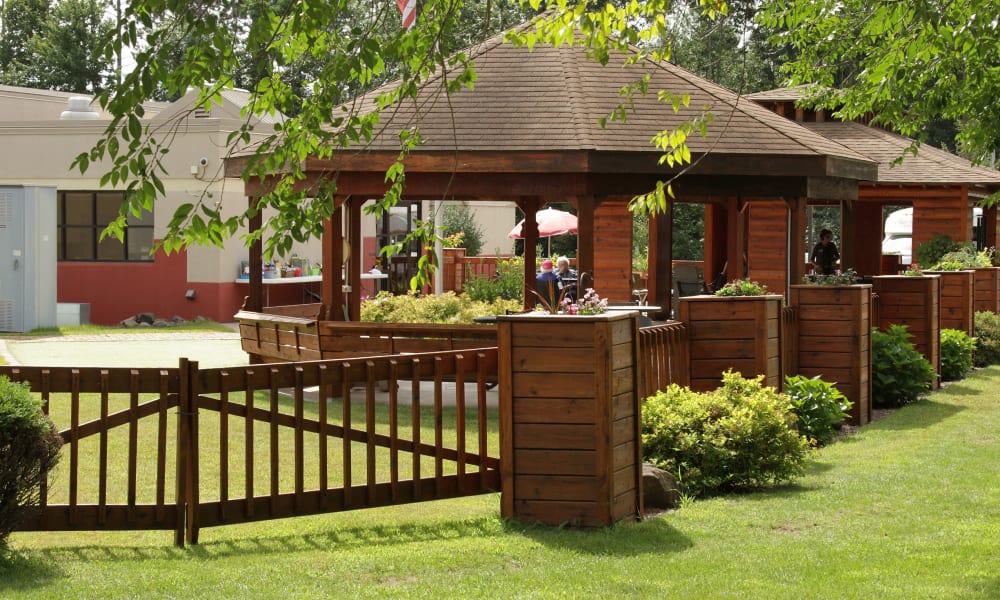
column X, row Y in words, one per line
column 220, row 438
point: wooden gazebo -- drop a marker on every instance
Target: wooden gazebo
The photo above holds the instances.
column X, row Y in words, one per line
column 941, row 187
column 529, row 133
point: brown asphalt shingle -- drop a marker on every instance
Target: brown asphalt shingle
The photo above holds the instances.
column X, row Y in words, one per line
column 930, row 165
column 550, row 99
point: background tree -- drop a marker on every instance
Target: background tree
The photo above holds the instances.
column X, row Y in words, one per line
column 22, row 19
column 459, row 218
column 906, row 63
column 354, row 55
column 65, row 53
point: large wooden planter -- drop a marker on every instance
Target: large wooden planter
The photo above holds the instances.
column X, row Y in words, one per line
column 453, row 273
column 741, row 333
column 986, row 290
column 835, row 340
column 957, row 307
column 916, row 303
column 569, row 418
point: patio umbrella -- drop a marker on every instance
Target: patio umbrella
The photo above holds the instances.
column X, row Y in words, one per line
column 550, row 222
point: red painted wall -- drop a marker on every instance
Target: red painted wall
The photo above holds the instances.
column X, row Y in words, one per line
column 117, row 291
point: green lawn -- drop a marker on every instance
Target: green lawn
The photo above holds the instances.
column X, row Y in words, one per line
column 907, row 508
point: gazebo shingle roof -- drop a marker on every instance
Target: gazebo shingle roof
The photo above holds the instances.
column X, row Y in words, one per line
column 551, row 99
column 930, row 166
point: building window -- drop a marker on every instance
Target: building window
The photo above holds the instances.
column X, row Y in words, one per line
column 82, row 218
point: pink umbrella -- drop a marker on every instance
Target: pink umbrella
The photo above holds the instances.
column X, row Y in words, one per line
column 550, row 222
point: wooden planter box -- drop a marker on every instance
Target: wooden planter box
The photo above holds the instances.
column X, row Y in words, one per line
column 957, row 308
column 835, row 340
column 569, row 418
column 916, row 303
column 986, row 290
column 741, row 333
column 453, row 273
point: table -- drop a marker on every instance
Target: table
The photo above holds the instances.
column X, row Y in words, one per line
column 307, row 280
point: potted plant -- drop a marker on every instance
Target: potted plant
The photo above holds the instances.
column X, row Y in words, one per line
column 957, row 271
column 738, row 328
column 912, row 299
column 834, row 341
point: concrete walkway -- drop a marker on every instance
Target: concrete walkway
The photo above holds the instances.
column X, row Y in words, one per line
column 153, row 349
column 165, row 349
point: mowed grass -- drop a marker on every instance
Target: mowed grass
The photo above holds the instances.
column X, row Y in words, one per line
column 909, row 507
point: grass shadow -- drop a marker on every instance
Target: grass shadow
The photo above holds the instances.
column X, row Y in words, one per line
column 34, row 567
column 649, row 536
column 919, row 415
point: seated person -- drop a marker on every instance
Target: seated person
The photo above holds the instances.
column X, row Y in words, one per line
column 567, row 278
column 547, row 285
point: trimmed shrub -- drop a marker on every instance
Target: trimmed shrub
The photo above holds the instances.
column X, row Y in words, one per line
column 29, row 449
column 459, row 219
column 930, row 252
column 508, row 284
column 987, row 328
column 741, row 436
column 956, row 354
column 446, row 308
column 820, row 407
column 900, row 374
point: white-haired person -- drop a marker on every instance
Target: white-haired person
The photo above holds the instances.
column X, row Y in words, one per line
column 567, row 278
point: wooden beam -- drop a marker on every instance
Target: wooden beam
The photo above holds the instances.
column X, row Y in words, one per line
column 354, row 261
column 585, row 206
column 661, row 255
column 529, row 233
column 796, row 242
column 255, row 300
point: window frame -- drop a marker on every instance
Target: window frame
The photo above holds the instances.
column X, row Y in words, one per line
column 63, row 228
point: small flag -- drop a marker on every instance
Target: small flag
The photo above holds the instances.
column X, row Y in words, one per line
column 408, row 8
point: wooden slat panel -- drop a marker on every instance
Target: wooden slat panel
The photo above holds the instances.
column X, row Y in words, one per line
column 553, row 385
column 554, row 410
column 567, row 462
column 581, row 514
column 566, row 437
column 555, row 487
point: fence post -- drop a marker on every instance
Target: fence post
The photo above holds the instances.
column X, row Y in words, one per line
column 181, row 462
column 569, row 418
column 187, row 454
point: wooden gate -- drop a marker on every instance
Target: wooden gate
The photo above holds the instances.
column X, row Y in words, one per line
column 247, row 444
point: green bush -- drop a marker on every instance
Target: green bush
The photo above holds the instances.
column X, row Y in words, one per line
column 900, row 374
column 987, row 328
column 29, row 449
column 930, row 252
column 508, row 284
column 740, row 436
column 446, row 308
column 820, row 407
column 956, row 354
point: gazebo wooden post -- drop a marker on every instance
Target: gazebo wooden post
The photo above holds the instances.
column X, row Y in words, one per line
column 736, row 224
column 991, row 221
column 661, row 255
column 255, row 298
column 849, row 234
column 354, row 260
column 585, row 206
column 796, row 242
column 529, row 233
column 715, row 240
column 333, row 259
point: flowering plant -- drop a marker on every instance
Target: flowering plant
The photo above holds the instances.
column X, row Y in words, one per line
column 454, row 240
column 742, row 287
column 846, row 277
column 589, row 304
column 913, row 270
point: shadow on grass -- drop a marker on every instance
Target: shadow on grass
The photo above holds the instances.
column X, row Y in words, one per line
column 650, row 536
column 25, row 571
column 918, row 415
column 27, row 568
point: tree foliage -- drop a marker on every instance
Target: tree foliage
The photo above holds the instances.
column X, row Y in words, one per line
column 350, row 47
column 907, row 63
column 21, row 20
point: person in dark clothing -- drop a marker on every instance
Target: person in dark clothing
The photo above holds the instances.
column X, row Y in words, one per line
column 825, row 256
column 547, row 285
